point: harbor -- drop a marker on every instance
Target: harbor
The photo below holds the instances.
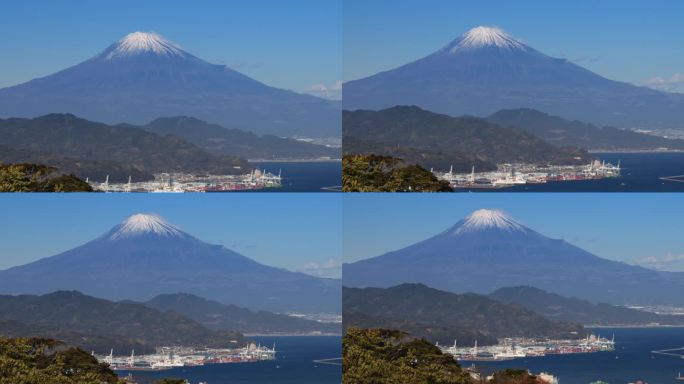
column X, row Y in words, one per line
column 509, row 175
column 187, row 182
column 174, row 357
column 516, row 348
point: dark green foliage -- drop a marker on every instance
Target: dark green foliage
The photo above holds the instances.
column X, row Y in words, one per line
column 561, row 308
column 108, row 149
column 217, row 316
column 515, row 376
column 561, row 132
column 97, row 324
column 170, row 381
column 443, row 316
column 38, row 178
column 223, row 141
column 373, row 173
column 45, row 361
column 378, row 356
column 434, row 140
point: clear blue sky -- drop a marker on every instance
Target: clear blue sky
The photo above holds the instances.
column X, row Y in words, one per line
column 625, row 227
column 291, row 44
column 622, row 40
column 293, row 231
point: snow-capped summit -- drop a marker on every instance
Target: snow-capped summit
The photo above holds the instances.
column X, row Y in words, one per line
column 486, row 70
column 141, row 224
column 488, row 219
column 143, row 42
column 484, row 36
column 488, row 250
column 143, row 77
column 145, row 256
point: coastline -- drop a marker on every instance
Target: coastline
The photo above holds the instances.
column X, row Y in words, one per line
column 593, row 151
column 317, row 160
column 634, row 326
column 309, row 334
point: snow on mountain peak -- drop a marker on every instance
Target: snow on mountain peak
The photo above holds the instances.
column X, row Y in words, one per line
column 142, row 42
column 483, row 36
column 487, row 219
column 140, row 224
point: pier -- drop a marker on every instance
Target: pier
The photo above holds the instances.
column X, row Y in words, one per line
column 331, row 361
column 677, row 352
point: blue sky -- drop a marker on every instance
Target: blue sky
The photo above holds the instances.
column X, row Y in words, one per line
column 296, row 231
column 625, row 227
column 293, row 44
column 623, row 40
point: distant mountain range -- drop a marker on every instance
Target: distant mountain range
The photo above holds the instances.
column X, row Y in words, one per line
column 487, row 70
column 441, row 316
column 489, row 250
column 60, row 137
column 145, row 256
column 562, row 132
column 557, row 307
column 94, row 150
column 143, row 77
column 93, row 169
column 217, row 316
column 223, row 141
column 434, row 140
column 99, row 325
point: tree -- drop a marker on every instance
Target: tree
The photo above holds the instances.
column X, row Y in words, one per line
column 378, row 356
column 46, row 361
column 373, row 173
column 38, row 178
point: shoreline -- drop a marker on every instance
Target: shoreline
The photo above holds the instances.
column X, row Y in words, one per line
column 627, row 151
column 294, row 160
column 634, row 326
column 291, row 334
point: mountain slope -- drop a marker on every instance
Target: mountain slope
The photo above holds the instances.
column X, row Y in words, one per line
column 145, row 256
column 223, row 141
column 486, row 70
column 93, row 169
column 488, row 250
column 93, row 323
column 217, row 316
column 561, row 308
column 561, row 132
column 143, row 77
column 442, row 316
column 434, row 140
column 59, row 138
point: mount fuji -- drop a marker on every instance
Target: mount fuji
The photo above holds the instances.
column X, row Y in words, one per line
column 145, row 256
column 489, row 250
column 143, row 77
column 487, row 70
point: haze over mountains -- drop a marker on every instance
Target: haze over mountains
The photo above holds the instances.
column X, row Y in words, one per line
column 217, row 316
column 145, row 256
column 143, row 77
column 489, row 250
column 487, row 70
column 223, row 141
column 556, row 307
column 561, row 132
